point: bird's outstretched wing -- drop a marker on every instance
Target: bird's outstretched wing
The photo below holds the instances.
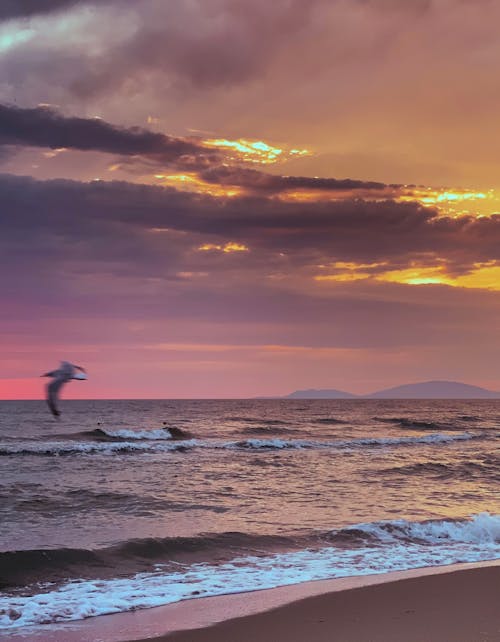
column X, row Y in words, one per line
column 52, row 395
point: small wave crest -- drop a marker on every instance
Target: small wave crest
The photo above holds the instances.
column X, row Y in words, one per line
column 123, row 434
column 256, row 420
column 481, row 529
column 416, row 424
column 137, row 446
column 272, row 444
column 52, row 448
column 487, row 467
column 267, row 430
column 375, row 442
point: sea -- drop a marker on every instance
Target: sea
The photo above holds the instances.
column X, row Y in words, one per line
column 130, row 504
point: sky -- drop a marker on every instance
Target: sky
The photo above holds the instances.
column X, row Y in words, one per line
column 235, row 198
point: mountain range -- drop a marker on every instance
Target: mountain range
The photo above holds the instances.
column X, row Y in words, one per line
column 422, row 390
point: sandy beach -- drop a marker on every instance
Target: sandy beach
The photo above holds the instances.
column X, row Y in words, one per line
column 461, row 606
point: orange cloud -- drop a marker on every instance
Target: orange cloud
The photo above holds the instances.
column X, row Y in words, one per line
column 227, row 248
column 483, row 276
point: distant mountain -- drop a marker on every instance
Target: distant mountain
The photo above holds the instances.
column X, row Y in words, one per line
column 435, row 390
column 320, row 394
column 423, row 390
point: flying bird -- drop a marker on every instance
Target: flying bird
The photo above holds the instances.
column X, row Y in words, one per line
column 62, row 375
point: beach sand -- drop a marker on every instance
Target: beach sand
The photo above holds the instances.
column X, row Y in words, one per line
column 461, row 606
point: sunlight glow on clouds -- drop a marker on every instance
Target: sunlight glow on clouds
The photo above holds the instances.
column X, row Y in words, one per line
column 453, row 202
column 254, row 151
column 227, row 248
column 190, row 182
column 484, row 276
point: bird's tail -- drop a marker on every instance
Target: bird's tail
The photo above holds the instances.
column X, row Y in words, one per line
column 53, row 408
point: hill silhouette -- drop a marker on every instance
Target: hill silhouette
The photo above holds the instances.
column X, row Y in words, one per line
column 422, row 390
column 320, row 394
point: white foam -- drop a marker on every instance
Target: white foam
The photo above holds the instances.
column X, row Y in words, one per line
column 443, row 543
column 481, row 529
column 435, row 438
column 157, row 435
column 277, row 444
column 145, row 441
column 68, row 447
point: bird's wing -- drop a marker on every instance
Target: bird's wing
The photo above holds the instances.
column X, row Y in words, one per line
column 52, row 394
column 79, row 375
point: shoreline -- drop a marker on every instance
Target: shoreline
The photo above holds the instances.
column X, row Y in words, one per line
column 460, row 606
column 228, row 617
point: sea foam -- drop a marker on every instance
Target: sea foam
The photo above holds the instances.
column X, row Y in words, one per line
column 394, row 545
column 158, row 441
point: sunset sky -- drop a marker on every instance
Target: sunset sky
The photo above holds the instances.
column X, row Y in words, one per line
column 233, row 198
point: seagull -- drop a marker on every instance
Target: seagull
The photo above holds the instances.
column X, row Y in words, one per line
column 62, row 375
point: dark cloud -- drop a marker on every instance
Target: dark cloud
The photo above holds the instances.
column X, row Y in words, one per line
column 25, row 8
column 7, row 152
column 271, row 183
column 112, row 222
column 199, row 45
column 45, row 127
column 290, row 15
column 191, row 46
column 126, row 251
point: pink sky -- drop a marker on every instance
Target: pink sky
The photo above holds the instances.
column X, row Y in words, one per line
column 273, row 196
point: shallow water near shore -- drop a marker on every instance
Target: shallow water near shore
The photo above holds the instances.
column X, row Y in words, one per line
column 130, row 504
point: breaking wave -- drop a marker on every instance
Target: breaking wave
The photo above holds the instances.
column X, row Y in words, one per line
column 376, row 547
column 481, row 529
column 51, row 448
column 150, row 445
column 279, row 444
column 123, row 434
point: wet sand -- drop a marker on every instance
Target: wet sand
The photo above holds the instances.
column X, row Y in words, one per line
column 461, row 606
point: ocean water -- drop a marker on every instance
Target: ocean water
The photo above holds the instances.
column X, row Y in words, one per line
column 125, row 505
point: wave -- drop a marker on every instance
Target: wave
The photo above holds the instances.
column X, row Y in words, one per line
column 435, row 438
column 329, row 421
column 137, row 446
column 268, row 430
column 52, row 448
column 487, row 468
column 123, row 434
column 481, row 529
column 378, row 547
column 280, row 444
column 256, row 420
column 60, row 505
column 25, row 567
column 416, row 424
